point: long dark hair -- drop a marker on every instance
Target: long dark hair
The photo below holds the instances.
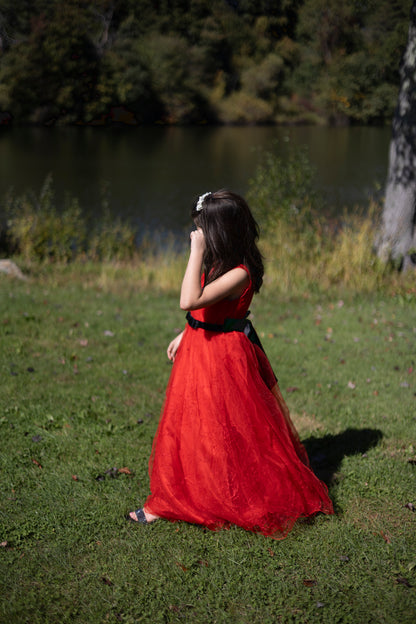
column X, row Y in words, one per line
column 231, row 234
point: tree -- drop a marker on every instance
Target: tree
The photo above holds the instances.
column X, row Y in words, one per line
column 169, row 59
column 397, row 239
column 50, row 73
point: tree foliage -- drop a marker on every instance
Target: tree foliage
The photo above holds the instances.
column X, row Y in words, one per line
column 187, row 61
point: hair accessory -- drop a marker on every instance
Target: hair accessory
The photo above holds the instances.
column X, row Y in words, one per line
column 201, row 201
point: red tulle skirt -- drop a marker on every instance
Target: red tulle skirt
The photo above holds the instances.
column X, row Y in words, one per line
column 226, row 451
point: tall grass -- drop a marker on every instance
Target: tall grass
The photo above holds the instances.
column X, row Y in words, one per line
column 320, row 257
column 304, row 252
column 38, row 229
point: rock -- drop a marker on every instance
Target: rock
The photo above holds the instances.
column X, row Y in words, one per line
column 11, row 268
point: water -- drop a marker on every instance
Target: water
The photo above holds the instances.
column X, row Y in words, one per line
column 152, row 174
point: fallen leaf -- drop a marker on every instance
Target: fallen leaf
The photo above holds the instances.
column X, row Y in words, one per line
column 35, row 461
column 74, row 478
column 386, row 537
column 310, row 582
column 106, row 581
column 125, row 470
column 180, row 565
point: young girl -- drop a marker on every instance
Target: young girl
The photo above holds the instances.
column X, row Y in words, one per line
column 226, row 451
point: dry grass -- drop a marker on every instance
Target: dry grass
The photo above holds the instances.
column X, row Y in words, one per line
column 300, row 261
column 323, row 257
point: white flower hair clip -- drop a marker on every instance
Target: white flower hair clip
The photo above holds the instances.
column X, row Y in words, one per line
column 200, row 201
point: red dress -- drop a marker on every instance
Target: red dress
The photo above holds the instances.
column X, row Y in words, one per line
column 226, row 451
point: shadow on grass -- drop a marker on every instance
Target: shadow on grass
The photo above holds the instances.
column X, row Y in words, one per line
column 327, row 453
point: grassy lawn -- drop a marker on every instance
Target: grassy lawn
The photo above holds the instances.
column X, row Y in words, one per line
column 83, row 375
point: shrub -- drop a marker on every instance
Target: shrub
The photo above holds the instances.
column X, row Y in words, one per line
column 37, row 230
column 111, row 239
column 283, row 189
column 241, row 107
column 304, row 251
column 262, row 80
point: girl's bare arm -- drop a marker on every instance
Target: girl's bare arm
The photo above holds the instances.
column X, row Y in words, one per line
column 193, row 296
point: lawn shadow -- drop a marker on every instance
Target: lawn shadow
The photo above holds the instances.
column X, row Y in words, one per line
column 326, row 453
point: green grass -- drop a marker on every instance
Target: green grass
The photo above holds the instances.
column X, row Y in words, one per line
column 83, row 376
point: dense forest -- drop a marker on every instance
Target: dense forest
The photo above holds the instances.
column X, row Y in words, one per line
column 200, row 61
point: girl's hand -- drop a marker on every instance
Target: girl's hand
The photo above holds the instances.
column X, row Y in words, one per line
column 198, row 240
column 173, row 347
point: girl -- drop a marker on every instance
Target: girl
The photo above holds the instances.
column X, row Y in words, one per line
column 226, row 450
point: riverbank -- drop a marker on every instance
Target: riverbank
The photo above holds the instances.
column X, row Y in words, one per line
column 84, row 372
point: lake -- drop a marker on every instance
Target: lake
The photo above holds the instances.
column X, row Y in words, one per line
column 152, row 174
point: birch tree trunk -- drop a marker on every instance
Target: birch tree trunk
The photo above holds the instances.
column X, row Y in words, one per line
column 397, row 239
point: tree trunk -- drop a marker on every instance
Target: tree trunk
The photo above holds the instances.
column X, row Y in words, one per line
column 397, row 239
